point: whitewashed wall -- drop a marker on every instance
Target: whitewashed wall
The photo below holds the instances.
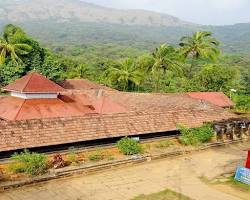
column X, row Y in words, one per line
column 34, row 95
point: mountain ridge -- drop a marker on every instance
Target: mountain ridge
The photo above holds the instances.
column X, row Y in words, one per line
column 73, row 22
column 67, row 10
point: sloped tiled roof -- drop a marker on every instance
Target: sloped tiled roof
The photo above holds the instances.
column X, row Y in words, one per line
column 66, row 105
column 154, row 101
column 216, row 98
column 104, row 105
column 82, row 84
column 82, row 115
column 13, row 108
column 46, row 132
column 34, row 83
column 147, row 113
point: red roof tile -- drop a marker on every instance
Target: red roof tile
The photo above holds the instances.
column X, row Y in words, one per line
column 12, row 108
column 34, row 83
column 105, row 105
column 40, row 133
column 151, row 102
column 82, row 84
column 82, row 116
column 216, row 98
column 66, row 105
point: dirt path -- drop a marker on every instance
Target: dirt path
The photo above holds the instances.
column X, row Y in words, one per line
column 233, row 191
column 179, row 174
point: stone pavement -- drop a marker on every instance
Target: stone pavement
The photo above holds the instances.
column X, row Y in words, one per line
column 180, row 174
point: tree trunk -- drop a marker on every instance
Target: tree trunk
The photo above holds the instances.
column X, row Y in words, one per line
column 191, row 68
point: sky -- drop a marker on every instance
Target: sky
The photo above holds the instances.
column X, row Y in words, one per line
column 207, row 12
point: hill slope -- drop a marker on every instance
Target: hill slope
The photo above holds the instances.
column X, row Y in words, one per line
column 75, row 23
column 76, row 10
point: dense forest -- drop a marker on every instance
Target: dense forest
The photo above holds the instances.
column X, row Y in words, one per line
column 195, row 63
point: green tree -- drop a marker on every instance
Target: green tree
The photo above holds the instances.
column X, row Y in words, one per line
column 11, row 47
column 51, row 68
column 246, row 80
column 145, row 62
column 217, row 78
column 165, row 59
column 34, row 59
column 199, row 45
column 10, row 72
column 125, row 75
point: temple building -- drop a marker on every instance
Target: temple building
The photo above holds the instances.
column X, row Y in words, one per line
column 39, row 113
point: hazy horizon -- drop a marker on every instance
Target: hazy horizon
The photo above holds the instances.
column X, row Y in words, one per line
column 206, row 12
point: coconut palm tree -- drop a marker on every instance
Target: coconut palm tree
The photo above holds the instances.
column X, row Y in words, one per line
column 200, row 44
column 165, row 59
column 12, row 48
column 125, row 74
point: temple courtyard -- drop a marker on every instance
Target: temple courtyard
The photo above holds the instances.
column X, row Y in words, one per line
column 190, row 175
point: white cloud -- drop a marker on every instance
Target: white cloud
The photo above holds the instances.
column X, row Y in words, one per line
column 198, row 11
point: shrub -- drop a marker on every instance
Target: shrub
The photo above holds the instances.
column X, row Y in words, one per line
column 96, row 155
column 29, row 163
column 129, row 146
column 163, row 144
column 242, row 103
column 195, row 136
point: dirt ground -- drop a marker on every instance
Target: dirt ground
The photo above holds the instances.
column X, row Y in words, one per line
column 180, row 174
column 232, row 191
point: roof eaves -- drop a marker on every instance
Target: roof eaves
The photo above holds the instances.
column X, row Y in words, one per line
column 34, row 92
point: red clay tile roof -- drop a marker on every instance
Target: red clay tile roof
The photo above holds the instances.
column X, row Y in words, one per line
column 38, row 133
column 147, row 113
column 105, row 105
column 82, row 84
column 66, row 105
column 13, row 108
column 153, row 101
column 34, row 83
column 216, row 98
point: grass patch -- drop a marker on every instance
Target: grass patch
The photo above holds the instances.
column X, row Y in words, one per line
column 230, row 182
column 163, row 195
column 236, row 184
column 163, row 144
column 110, row 157
column 96, row 155
column 72, row 156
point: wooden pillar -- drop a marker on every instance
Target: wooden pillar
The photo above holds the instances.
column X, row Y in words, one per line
column 223, row 134
column 234, row 133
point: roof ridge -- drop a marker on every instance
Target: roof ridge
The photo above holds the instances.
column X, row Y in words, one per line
column 27, row 82
column 20, row 107
column 102, row 103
